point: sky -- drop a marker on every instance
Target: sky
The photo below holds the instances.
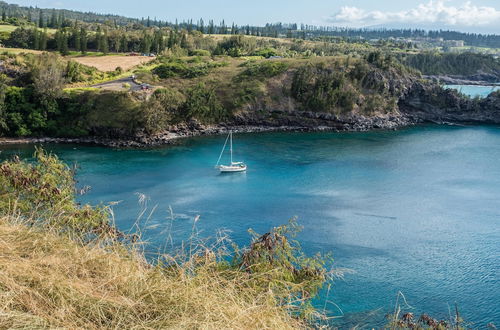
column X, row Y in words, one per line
column 481, row 16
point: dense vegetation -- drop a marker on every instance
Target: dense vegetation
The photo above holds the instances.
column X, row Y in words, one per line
column 209, row 90
column 66, row 266
column 452, row 64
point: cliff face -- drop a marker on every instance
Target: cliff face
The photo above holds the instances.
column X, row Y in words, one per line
column 430, row 102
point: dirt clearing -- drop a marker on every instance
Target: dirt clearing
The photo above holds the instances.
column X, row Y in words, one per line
column 111, row 62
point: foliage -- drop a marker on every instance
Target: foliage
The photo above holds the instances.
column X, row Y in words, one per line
column 323, row 89
column 43, row 192
column 266, row 52
column 452, row 64
column 399, row 320
column 282, row 265
column 203, row 104
column 199, row 52
column 161, row 110
column 22, row 116
column 3, row 89
column 262, row 69
column 236, row 46
column 178, row 68
column 48, row 79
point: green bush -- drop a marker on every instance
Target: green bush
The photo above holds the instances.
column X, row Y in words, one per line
column 266, row 52
column 199, row 52
column 169, row 70
column 44, row 193
column 263, row 69
column 203, row 104
column 323, row 89
column 160, row 110
column 180, row 69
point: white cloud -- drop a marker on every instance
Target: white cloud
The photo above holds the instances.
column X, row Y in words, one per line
column 435, row 12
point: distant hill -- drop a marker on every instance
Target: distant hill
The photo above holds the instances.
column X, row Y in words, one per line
column 49, row 16
column 33, row 14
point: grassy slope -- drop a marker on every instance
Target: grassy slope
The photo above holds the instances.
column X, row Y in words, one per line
column 10, row 28
column 50, row 281
column 7, row 28
column 18, row 50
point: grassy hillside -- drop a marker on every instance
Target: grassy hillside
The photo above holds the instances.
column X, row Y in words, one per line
column 7, row 28
column 65, row 265
column 51, row 281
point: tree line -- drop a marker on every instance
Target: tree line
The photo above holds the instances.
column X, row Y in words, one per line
column 57, row 18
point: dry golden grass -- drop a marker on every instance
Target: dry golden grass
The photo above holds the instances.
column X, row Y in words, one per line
column 111, row 62
column 19, row 50
column 47, row 281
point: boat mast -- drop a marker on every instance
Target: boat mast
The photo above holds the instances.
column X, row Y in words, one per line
column 231, row 145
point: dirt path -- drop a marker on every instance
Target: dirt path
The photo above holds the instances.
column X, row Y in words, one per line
column 117, row 85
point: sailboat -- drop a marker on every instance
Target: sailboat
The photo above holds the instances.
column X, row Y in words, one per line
column 233, row 166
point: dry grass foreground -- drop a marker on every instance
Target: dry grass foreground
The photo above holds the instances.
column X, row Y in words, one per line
column 48, row 281
column 111, row 62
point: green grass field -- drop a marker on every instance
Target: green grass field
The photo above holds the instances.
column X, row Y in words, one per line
column 10, row 28
column 7, row 28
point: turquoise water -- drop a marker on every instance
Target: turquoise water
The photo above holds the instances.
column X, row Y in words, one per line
column 415, row 210
column 473, row 91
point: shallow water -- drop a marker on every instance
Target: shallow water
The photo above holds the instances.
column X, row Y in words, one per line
column 415, row 210
column 474, row 90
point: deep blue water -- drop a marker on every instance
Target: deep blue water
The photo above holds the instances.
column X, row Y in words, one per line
column 415, row 210
column 473, row 90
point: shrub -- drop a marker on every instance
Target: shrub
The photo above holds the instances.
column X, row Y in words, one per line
column 203, row 104
column 266, row 52
column 160, row 110
column 44, row 193
column 169, row 70
column 323, row 89
column 263, row 69
column 199, row 52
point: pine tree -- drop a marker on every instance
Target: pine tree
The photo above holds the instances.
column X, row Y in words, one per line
column 171, row 40
column 64, row 46
column 83, row 40
column 201, row 26
column 98, row 38
column 184, row 43
column 36, row 41
column 4, row 16
column 105, row 43
column 40, row 20
column 43, row 40
column 77, row 39
column 124, row 43
column 53, row 19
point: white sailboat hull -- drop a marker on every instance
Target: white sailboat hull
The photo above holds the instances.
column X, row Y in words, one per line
column 232, row 168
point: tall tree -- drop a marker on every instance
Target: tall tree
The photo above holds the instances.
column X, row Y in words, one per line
column 105, row 42
column 43, row 39
column 83, row 40
column 41, row 23
column 53, row 19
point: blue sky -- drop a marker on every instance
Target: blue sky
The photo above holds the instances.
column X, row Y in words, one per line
column 464, row 15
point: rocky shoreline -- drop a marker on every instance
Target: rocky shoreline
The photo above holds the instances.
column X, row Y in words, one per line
column 282, row 122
